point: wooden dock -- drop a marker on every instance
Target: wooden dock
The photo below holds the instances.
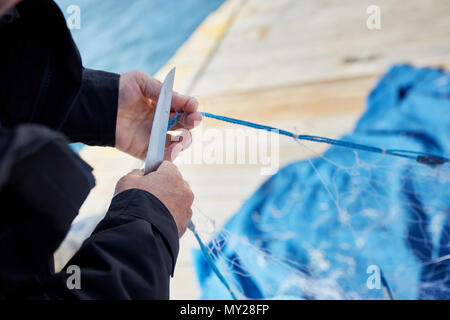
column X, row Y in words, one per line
column 299, row 65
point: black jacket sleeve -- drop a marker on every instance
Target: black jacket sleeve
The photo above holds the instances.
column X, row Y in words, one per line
column 92, row 118
column 42, row 79
column 42, row 186
column 130, row 255
column 132, row 252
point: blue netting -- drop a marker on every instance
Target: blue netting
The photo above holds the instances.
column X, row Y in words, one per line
column 313, row 229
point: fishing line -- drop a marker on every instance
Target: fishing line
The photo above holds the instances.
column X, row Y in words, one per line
column 420, row 157
column 210, row 260
column 203, row 247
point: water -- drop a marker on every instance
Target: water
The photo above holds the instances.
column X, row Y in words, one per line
column 120, row 36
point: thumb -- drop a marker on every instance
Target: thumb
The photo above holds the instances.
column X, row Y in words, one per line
column 168, row 168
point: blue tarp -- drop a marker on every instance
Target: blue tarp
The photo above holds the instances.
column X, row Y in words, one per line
column 318, row 229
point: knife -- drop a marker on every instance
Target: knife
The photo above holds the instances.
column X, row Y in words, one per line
column 157, row 141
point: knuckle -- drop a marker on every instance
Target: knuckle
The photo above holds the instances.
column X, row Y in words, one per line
column 123, row 180
column 139, row 74
column 172, row 167
column 177, row 174
column 190, row 196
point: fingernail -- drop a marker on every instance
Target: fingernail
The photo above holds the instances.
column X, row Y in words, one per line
column 195, row 102
column 197, row 119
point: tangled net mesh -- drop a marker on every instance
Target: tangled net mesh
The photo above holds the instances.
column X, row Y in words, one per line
column 349, row 224
column 317, row 238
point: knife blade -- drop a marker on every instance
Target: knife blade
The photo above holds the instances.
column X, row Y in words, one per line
column 157, row 141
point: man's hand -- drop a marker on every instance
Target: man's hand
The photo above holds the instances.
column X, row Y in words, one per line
column 168, row 186
column 138, row 95
column 5, row 5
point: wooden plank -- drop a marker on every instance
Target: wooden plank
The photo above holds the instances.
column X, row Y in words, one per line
column 292, row 102
column 320, row 42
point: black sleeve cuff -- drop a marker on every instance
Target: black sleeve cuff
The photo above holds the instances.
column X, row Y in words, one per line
column 93, row 117
column 143, row 205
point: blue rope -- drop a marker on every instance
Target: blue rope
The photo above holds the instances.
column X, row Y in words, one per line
column 386, row 287
column 210, row 260
column 420, row 157
column 203, row 247
column 173, row 120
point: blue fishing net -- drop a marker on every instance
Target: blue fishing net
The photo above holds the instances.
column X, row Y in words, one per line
column 351, row 224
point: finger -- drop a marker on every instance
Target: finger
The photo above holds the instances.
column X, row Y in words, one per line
column 182, row 229
column 142, row 154
column 181, row 135
column 193, row 120
column 173, row 151
column 180, row 102
column 185, row 138
column 189, row 214
column 152, row 87
column 187, row 184
column 189, row 106
column 188, row 121
column 172, row 138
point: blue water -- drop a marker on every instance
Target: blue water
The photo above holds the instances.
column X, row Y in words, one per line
column 120, row 36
